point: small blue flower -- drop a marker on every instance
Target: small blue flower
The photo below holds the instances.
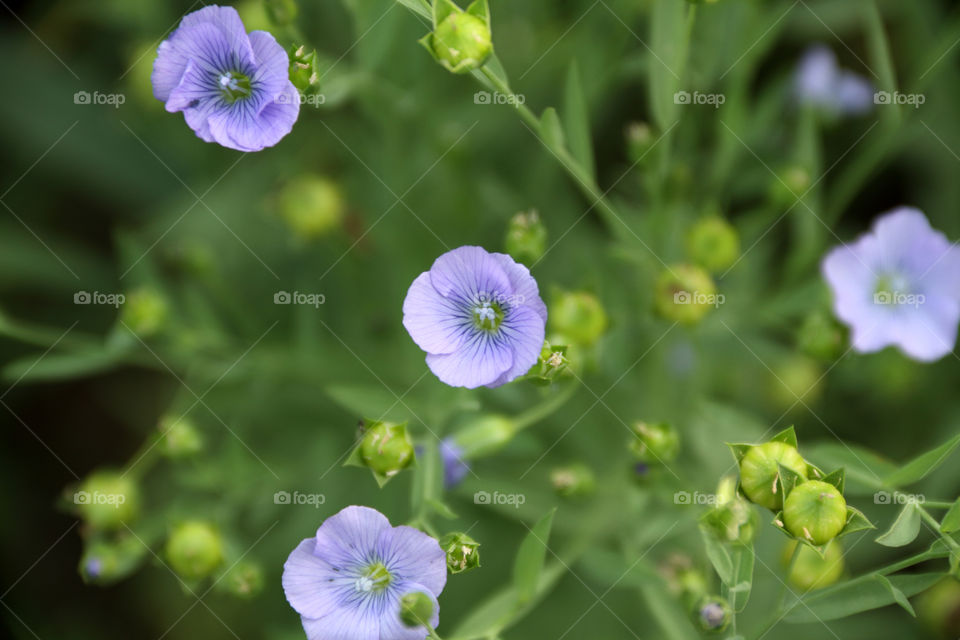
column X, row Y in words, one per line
column 898, row 285
column 821, row 83
column 347, row 581
column 455, row 468
column 479, row 317
column 233, row 89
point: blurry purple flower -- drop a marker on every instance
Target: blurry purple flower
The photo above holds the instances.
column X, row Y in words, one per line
column 455, row 468
column 819, row 82
column 233, row 89
column 347, row 581
column 898, row 285
column 479, row 317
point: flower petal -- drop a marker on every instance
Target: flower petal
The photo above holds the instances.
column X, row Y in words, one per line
column 523, row 328
column 466, row 272
column 349, row 624
column 525, row 289
column 354, row 531
column 411, row 555
column 437, row 324
column 306, row 581
column 242, row 127
column 481, row 360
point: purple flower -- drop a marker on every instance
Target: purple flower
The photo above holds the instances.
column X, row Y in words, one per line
column 898, row 285
column 819, row 82
column 479, row 317
column 346, row 583
column 233, row 89
column 455, row 468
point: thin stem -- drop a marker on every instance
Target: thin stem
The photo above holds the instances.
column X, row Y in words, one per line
column 937, row 504
column 545, row 408
column 432, row 633
column 929, row 519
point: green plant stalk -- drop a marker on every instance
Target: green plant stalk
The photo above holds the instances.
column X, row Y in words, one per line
column 778, row 612
column 545, row 408
column 929, row 519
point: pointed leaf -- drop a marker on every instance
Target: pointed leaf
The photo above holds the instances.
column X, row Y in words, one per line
column 550, row 129
column 739, row 450
column 898, row 595
column 918, row 468
column 836, row 478
column 787, row 479
column 858, row 595
column 739, row 591
column 531, row 557
column 576, row 121
column 904, row 529
column 719, row 556
column 442, row 9
column 787, row 436
column 417, row 6
column 951, row 521
column 668, row 44
column 856, row 521
column 480, row 9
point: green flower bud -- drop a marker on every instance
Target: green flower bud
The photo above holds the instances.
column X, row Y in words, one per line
column 244, row 580
column 312, row 206
column 282, row 12
column 732, row 519
column 791, row 183
column 640, row 140
column 550, row 365
column 810, row 570
column 579, row 316
column 463, row 552
column 194, row 549
column 795, row 377
column 461, row 42
column 485, row 435
column 685, row 294
column 179, row 438
column 713, row 243
column 416, row 609
column 656, row 442
column 683, row 580
column 713, row 614
column 526, row 237
column 573, row 481
column 304, row 71
column 107, row 500
column 759, row 472
column 105, row 563
column 144, row 312
column 386, row 448
column 821, row 336
column 938, row 608
column 815, row 511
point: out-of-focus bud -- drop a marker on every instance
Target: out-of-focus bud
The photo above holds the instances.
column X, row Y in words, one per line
column 304, row 71
column 485, row 435
column 791, row 183
column 639, row 140
column 810, row 570
column 461, row 40
column 655, row 442
column 311, row 205
column 253, row 13
column 281, row 12
column 760, row 472
column 682, row 578
column 144, row 312
column 179, row 438
column 795, row 381
column 815, row 511
column 713, row 243
column 713, row 614
column 455, row 467
column 551, row 364
column 416, row 609
column 579, row 316
column 685, row 294
column 107, row 500
column 194, row 549
column 244, row 580
column 526, row 237
column 105, row 563
column 821, row 337
column 732, row 519
column 573, row 481
column 463, row 552
column 938, row 608
column 386, row 448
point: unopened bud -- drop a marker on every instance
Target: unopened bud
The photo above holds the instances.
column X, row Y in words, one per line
column 244, row 580
column 685, row 294
column 144, row 312
column 810, row 570
column 311, row 205
column 526, row 237
column 108, row 562
column 574, row 480
column 579, row 316
column 107, row 500
column 713, row 613
column 655, row 442
column 713, row 243
column 461, row 40
column 463, row 552
column 194, row 549
column 815, row 511
column 179, row 438
column 760, row 471
column 416, row 609
column 386, row 448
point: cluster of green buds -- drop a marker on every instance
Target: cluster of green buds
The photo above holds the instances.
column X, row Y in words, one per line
column 713, row 243
column 577, row 317
column 385, row 448
column 194, row 550
column 463, row 552
column 573, row 481
column 808, row 503
column 311, row 205
column 654, row 442
column 461, row 40
column 685, row 293
column 526, row 237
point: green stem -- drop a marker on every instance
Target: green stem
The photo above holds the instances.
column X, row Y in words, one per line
column 937, row 504
column 432, row 633
column 545, row 408
column 778, row 611
column 929, row 519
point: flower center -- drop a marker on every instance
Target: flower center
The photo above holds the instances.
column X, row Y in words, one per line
column 891, row 289
column 375, row 578
column 487, row 315
column 234, row 85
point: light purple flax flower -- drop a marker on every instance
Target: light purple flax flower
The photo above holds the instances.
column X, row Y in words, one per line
column 479, row 317
column 898, row 285
column 347, row 581
column 233, row 89
column 821, row 83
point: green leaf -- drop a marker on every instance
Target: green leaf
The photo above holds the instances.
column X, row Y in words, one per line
column 918, row 468
column 59, row 366
column 442, row 9
column 441, row 509
column 856, row 521
column 836, row 478
column 531, row 557
column 898, row 596
column 858, row 595
column 551, row 130
column 673, row 621
column 607, row 568
column 739, row 592
column 421, row 7
column 787, row 436
column 668, row 44
column 951, row 521
column 576, row 121
column 739, row 450
column 719, row 556
column 904, row 529
column 480, row 9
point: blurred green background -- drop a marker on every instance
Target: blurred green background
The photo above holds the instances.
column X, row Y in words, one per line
column 125, row 199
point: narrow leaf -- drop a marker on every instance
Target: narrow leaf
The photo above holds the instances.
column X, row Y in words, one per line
column 858, row 595
column 904, row 529
column 898, row 595
column 417, row 6
column 718, row 555
column 530, row 558
column 550, row 129
column 739, row 591
column 918, row 468
column 668, row 43
column 577, row 122
column 951, row 521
